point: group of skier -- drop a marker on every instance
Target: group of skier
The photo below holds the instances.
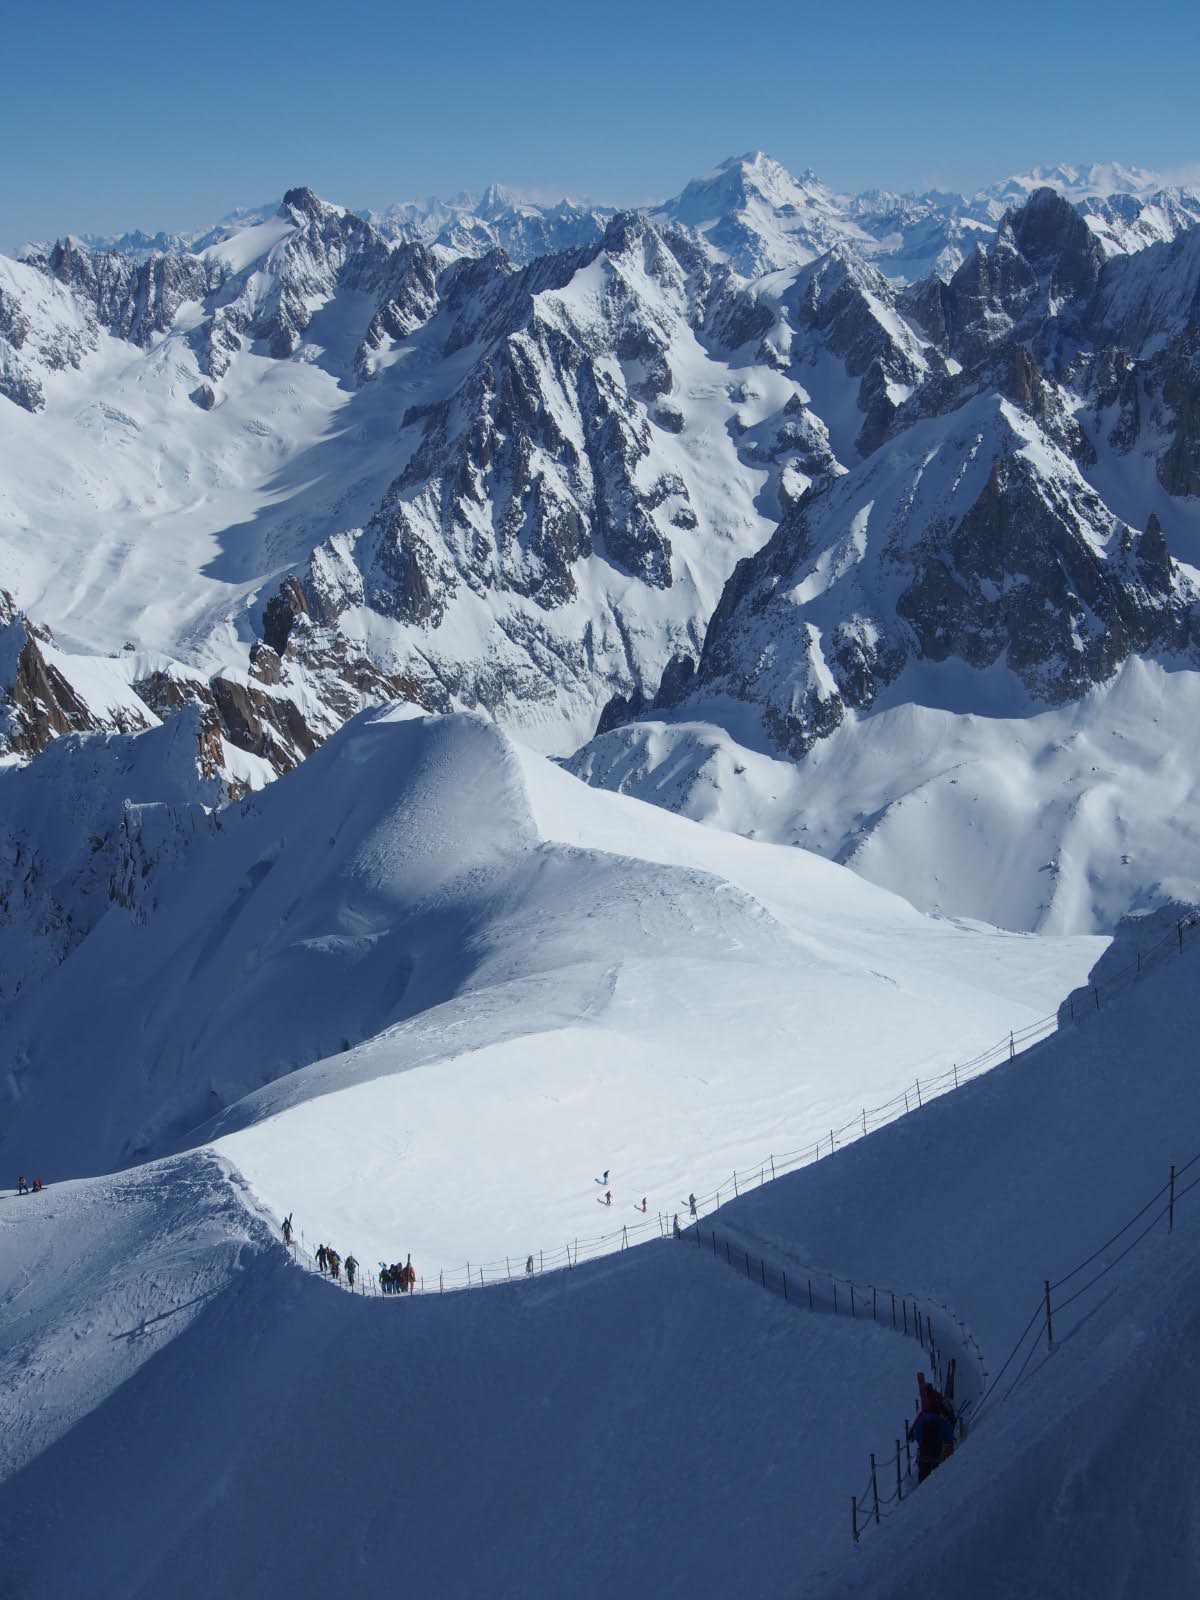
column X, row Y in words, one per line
column 397, row 1279
column 329, row 1261
column 24, row 1188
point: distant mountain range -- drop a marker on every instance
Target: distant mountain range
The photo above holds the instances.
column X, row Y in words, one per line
column 765, row 463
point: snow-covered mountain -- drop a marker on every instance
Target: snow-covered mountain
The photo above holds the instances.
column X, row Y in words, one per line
column 710, row 453
column 862, row 533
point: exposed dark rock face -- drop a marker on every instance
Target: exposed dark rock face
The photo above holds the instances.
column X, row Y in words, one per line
column 133, row 300
column 37, row 704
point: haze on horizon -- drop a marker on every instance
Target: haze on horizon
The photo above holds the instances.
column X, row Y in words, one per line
column 129, row 116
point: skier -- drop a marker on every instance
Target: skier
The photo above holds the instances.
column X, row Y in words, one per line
column 675, row 1228
column 932, row 1434
column 608, row 1197
column 335, row 1262
column 37, row 1186
column 529, row 1266
column 351, row 1269
column 322, row 1258
column 410, row 1275
column 287, row 1228
column 692, row 1204
column 22, row 1186
column 604, row 1179
column 643, row 1205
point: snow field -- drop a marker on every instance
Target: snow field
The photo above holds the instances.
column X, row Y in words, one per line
column 1049, row 820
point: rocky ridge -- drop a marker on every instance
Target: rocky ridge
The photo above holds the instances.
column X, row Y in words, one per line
column 587, row 441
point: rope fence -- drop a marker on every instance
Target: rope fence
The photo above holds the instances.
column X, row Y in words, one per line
column 871, row 1506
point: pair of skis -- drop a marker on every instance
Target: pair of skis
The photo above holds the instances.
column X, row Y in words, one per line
column 924, row 1387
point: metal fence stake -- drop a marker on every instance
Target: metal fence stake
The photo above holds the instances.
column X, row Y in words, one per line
column 1049, row 1324
column 874, row 1486
column 1171, row 1204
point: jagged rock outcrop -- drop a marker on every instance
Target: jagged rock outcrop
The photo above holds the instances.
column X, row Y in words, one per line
column 131, row 299
column 37, row 704
column 986, row 548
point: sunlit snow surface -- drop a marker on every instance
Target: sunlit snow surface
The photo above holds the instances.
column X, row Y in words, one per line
column 1037, row 819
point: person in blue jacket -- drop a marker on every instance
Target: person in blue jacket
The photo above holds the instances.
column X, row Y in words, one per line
column 932, row 1433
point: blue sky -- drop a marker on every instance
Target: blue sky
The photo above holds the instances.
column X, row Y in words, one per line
column 124, row 114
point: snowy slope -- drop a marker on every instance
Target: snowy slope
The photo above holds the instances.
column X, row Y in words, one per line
column 656, row 1392
column 328, row 976
column 955, row 794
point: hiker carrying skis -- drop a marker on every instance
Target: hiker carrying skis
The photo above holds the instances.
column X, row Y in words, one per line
column 351, row 1269
column 287, row 1228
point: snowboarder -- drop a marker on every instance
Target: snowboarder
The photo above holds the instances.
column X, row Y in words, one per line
column 932, row 1434
column 322, row 1258
column 675, row 1228
column 287, row 1228
column 351, row 1269
column 692, row 1204
column 529, row 1266
column 22, row 1186
column 608, row 1197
